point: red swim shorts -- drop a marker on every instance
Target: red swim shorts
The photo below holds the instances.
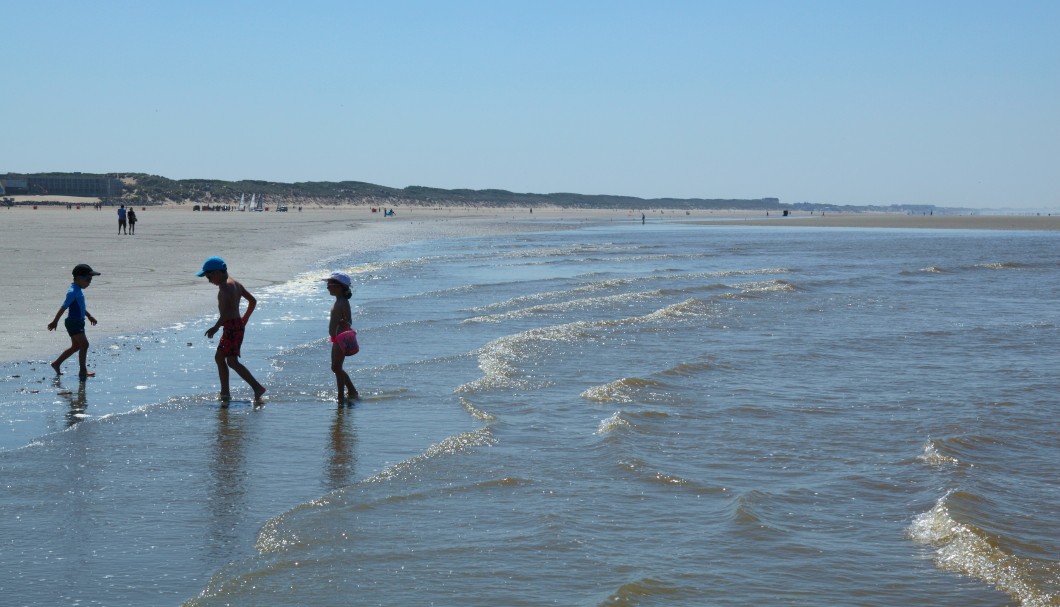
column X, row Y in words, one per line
column 231, row 337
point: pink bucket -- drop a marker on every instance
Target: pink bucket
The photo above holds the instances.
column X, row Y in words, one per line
column 347, row 340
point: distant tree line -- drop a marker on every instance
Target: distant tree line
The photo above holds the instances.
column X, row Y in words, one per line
column 155, row 188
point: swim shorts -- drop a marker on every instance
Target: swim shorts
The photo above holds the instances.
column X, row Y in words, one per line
column 74, row 326
column 347, row 340
column 231, row 337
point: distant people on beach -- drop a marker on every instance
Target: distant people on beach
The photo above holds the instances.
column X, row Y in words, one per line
column 132, row 220
column 121, row 220
column 343, row 337
column 75, row 321
column 229, row 294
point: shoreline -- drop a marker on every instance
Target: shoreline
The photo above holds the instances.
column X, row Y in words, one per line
column 148, row 279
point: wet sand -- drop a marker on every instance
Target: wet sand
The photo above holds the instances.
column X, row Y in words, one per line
column 148, row 279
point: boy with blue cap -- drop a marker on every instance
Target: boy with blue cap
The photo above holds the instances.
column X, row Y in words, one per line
column 75, row 320
column 229, row 292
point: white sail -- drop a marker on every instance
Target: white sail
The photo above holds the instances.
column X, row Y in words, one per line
column 242, row 205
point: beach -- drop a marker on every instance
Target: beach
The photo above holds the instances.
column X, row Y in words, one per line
column 573, row 408
column 148, row 279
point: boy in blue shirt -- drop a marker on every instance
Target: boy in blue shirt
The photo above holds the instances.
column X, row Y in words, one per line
column 75, row 320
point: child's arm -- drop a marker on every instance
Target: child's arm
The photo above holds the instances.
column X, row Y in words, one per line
column 251, row 303
column 91, row 319
column 335, row 321
column 345, row 315
column 55, row 323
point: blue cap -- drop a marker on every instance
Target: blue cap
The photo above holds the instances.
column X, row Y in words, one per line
column 211, row 264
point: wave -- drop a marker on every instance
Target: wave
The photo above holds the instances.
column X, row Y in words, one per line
column 934, row 454
column 680, row 310
column 1001, row 265
column 617, row 283
column 746, row 509
column 754, row 289
column 649, row 590
column 620, row 390
column 499, row 358
column 690, row 369
column 566, row 306
column 483, row 437
column 998, row 265
column 476, row 412
column 612, row 423
column 607, row 301
column 962, row 450
column 963, row 548
column 274, row 536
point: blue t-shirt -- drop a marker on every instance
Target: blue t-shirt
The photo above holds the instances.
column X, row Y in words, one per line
column 121, row 213
column 75, row 302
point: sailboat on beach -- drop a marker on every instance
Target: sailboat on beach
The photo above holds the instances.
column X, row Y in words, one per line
column 242, row 205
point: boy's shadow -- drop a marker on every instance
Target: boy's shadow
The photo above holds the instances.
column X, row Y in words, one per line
column 77, row 401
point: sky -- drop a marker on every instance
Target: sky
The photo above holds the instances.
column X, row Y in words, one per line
column 950, row 103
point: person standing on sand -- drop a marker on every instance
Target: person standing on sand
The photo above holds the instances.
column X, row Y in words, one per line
column 132, row 220
column 121, row 220
column 343, row 337
column 229, row 292
column 75, row 321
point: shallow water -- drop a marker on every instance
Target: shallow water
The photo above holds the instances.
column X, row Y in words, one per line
column 666, row 414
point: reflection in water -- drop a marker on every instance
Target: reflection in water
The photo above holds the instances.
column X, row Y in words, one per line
column 342, row 462
column 228, row 489
column 79, row 480
column 77, row 401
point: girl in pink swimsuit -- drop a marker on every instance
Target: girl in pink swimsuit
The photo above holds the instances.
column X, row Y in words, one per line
column 343, row 337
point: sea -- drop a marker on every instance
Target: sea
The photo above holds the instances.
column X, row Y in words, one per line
column 607, row 413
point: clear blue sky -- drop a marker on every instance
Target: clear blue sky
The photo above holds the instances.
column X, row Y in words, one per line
column 953, row 103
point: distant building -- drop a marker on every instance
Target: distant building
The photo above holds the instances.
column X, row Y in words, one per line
column 100, row 186
column 14, row 186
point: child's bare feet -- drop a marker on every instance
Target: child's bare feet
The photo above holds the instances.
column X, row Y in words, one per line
column 85, row 375
column 258, row 393
column 56, row 366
